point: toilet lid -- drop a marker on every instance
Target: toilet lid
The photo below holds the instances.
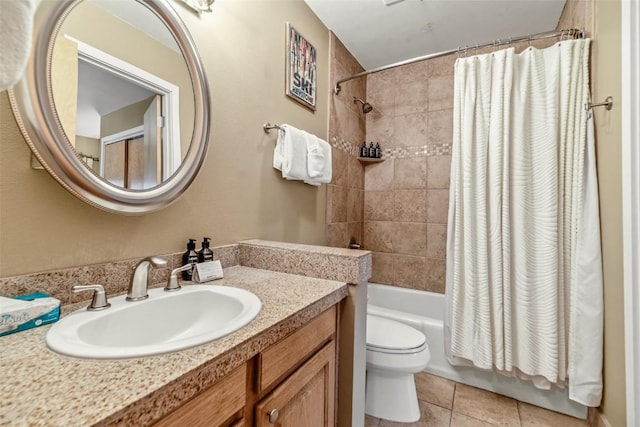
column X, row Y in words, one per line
column 392, row 336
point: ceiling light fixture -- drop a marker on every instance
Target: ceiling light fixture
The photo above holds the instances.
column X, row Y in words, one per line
column 203, row 5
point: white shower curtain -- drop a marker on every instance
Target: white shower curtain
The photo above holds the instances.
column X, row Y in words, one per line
column 524, row 275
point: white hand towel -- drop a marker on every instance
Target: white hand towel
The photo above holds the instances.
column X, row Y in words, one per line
column 319, row 164
column 302, row 156
column 16, row 25
column 278, row 152
column 315, row 158
column 294, row 153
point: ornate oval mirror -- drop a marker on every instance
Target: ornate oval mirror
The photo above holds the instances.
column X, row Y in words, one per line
column 114, row 102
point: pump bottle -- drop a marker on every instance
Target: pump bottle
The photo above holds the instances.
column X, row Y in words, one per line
column 189, row 257
column 364, row 151
column 205, row 253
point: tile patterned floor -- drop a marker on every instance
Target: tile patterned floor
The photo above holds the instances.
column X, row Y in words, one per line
column 445, row 403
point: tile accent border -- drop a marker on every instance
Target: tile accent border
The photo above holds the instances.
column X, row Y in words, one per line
column 344, row 145
column 427, row 150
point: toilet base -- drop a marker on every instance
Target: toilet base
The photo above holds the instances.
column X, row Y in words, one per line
column 391, row 396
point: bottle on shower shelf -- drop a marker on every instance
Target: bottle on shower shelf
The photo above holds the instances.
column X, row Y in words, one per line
column 364, row 151
column 378, row 151
column 372, row 150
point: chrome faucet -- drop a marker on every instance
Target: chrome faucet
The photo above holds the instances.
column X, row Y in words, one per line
column 173, row 284
column 99, row 301
column 140, row 279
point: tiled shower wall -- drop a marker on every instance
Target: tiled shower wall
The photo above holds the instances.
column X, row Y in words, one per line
column 345, row 193
column 406, row 196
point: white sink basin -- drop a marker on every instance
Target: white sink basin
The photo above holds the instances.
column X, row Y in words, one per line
column 162, row 323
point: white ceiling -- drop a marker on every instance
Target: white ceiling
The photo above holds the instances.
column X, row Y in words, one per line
column 101, row 92
column 377, row 34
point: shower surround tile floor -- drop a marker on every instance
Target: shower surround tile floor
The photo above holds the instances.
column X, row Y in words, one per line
column 445, row 403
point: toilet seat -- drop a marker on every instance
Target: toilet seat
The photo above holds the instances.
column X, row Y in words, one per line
column 390, row 336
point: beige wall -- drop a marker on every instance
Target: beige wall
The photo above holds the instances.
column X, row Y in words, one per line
column 125, row 118
column 601, row 18
column 237, row 194
column 88, row 146
column 606, row 69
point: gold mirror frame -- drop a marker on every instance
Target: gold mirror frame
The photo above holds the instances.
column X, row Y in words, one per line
column 33, row 107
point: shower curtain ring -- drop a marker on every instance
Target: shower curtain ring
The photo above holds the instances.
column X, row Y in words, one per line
column 529, row 39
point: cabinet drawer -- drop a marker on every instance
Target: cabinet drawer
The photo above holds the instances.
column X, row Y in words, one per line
column 213, row 406
column 281, row 357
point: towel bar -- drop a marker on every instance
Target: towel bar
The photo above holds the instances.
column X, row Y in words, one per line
column 268, row 126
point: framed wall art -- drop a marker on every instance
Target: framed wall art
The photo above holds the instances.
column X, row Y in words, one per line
column 301, row 69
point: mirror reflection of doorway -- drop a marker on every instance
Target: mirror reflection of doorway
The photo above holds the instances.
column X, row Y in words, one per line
column 114, row 97
column 122, row 166
column 133, row 159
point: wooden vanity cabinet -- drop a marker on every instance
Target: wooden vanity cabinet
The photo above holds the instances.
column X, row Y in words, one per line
column 306, row 398
column 292, row 383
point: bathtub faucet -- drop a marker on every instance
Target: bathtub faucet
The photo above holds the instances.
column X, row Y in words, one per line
column 353, row 245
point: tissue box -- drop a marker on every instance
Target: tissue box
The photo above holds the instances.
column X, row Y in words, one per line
column 27, row 311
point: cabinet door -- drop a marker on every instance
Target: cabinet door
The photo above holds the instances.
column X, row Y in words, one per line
column 306, row 398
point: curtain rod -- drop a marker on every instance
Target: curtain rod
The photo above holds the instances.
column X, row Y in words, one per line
column 569, row 33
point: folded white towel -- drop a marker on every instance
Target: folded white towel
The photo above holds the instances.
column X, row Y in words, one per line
column 16, row 25
column 294, row 160
column 278, row 152
column 302, row 156
column 315, row 158
column 319, row 166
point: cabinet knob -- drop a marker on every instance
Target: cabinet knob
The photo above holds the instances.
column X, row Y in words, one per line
column 273, row 416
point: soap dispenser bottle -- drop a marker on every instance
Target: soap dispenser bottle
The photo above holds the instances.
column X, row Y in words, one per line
column 205, row 253
column 378, row 150
column 372, row 150
column 189, row 257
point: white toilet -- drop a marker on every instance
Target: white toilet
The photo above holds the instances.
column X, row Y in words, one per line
column 395, row 352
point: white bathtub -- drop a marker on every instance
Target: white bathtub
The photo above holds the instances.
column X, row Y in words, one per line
column 425, row 312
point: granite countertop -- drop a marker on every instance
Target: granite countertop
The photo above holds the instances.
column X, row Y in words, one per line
column 41, row 388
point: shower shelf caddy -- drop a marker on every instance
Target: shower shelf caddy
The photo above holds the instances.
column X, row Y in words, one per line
column 371, row 159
